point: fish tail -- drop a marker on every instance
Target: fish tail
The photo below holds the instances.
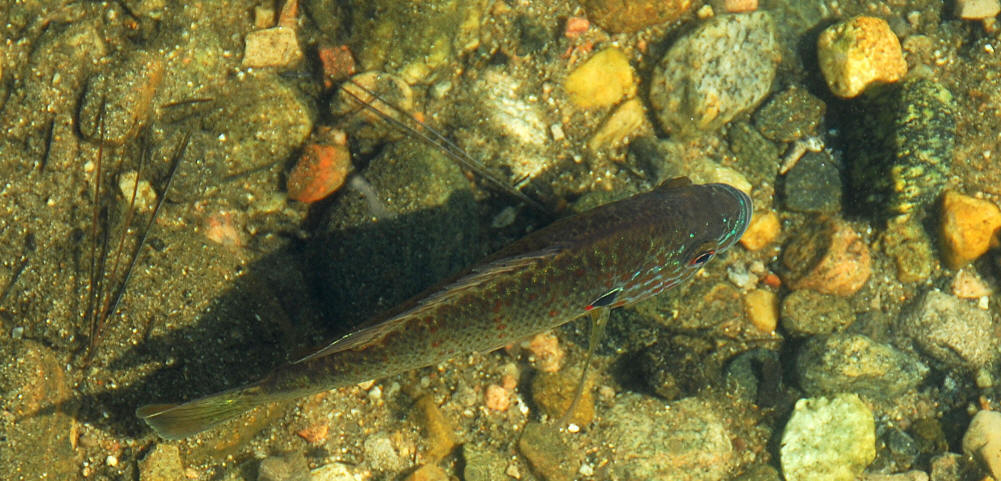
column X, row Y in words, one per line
column 178, row 421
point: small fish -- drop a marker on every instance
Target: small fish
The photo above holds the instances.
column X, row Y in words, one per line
column 612, row 256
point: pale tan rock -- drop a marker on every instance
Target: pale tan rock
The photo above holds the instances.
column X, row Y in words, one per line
column 983, row 440
column 618, row 127
column 271, row 47
column 977, row 9
column 968, row 228
column 857, row 53
column 968, row 285
column 602, row 81
column 740, row 6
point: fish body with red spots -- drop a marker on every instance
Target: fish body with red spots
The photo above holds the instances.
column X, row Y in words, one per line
column 611, row 256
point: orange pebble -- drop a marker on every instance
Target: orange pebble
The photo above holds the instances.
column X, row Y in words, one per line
column 497, row 398
column 319, row 172
column 772, row 280
column 576, row 26
column 338, row 64
column 314, row 434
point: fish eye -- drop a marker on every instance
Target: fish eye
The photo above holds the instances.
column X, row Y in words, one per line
column 702, row 258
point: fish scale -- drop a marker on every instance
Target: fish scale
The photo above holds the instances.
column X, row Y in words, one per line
column 611, row 256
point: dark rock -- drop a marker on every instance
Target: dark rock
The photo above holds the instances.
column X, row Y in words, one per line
column 805, row 312
column 813, row 186
column 902, row 146
column 789, row 115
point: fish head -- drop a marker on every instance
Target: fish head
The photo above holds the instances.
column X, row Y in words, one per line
column 698, row 222
column 714, row 219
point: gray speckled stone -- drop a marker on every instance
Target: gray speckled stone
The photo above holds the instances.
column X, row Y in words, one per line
column 855, row 363
column 951, row 330
column 828, row 439
column 685, row 441
column 724, row 67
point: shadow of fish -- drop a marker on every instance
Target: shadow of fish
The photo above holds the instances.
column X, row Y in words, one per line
column 608, row 257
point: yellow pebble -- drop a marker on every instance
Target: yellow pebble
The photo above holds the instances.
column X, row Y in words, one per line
column 762, row 309
column 601, row 81
column 857, row 53
column 762, row 231
column 967, row 228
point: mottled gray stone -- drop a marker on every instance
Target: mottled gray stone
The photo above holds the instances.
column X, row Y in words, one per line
column 724, row 67
column 855, row 363
column 951, row 330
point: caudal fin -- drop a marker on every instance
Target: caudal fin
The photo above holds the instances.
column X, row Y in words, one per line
column 178, row 421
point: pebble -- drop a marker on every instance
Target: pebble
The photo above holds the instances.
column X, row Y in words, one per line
column 289, row 467
column 482, row 464
column 790, row 115
column 628, row 118
column 813, row 186
column 857, row 53
column 617, row 16
column 674, row 367
column 271, row 47
column 439, row 433
column 602, row 81
column 338, row 63
column 548, row 454
column 762, row 231
column 740, row 6
column 828, row 439
column 977, row 10
column 336, row 472
column 756, row 376
column 162, row 463
column 554, row 391
column 829, row 257
column 967, row 284
column 857, row 364
column 381, row 455
column 951, row 330
column 969, row 227
column 806, row 312
column 907, row 242
column 428, row 472
column 755, row 154
column 982, row 440
column 947, row 467
column 321, row 169
column 129, row 184
column 547, row 353
column 688, row 440
column 762, row 309
column 724, row 67
column 496, row 398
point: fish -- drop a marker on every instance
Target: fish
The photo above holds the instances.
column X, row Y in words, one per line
column 612, row 256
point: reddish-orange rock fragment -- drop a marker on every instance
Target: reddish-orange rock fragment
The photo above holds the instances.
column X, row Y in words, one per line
column 319, row 172
column 829, row 258
column 338, row 64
